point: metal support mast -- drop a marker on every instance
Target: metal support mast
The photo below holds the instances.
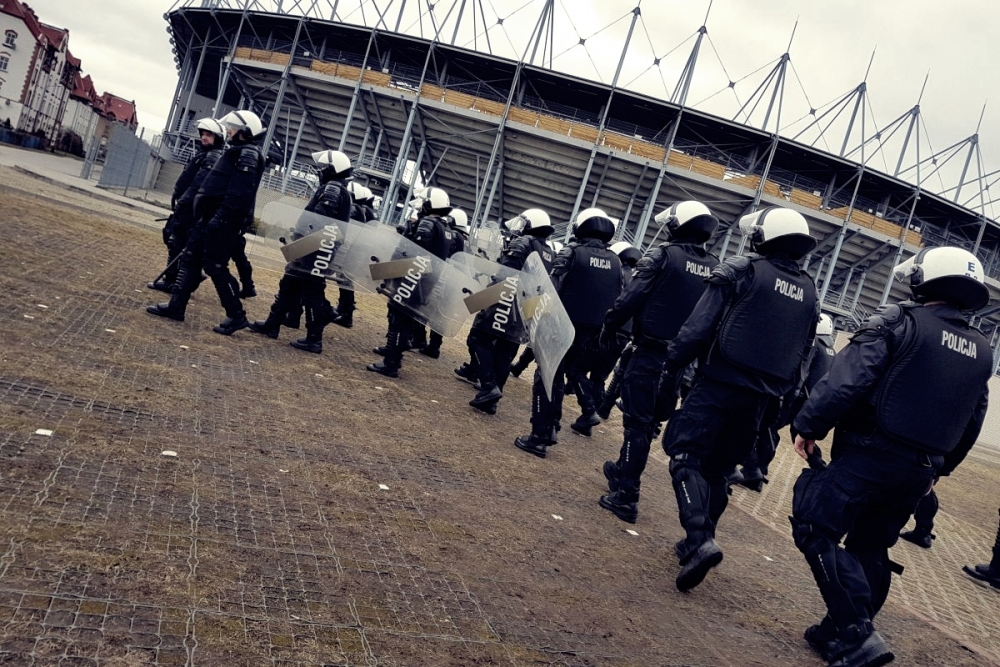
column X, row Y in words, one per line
column 604, row 121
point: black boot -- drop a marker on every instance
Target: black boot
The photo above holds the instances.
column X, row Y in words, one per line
column 752, row 478
column 532, row 444
column 621, row 503
column 313, row 342
column 383, row 368
column 487, row 396
column 613, row 474
column 345, row 309
column 231, row 325
column 166, row 310
column 585, row 422
column 431, row 351
column 868, row 650
column 921, row 539
column 520, row 365
column 822, row 637
column 983, row 573
column 248, row 291
column 701, row 560
column 266, row 327
column 467, row 373
column 161, row 286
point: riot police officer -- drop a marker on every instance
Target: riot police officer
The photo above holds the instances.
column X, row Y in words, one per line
column 667, row 283
column 492, row 353
column 587, row 275
column 362, row 211
column 332, row 200
column 458, row 222
column 908, row 398
column 211, row 143
column 223, row 208
column 433, row 233
column 750, row 333
column 609, row 354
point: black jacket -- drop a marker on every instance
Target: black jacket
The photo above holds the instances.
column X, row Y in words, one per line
column 843, row 398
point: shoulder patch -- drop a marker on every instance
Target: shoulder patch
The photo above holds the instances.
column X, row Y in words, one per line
column 881, row 323
column 729, row 270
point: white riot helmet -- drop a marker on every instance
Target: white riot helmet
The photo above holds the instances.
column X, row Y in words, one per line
column 825, row 325
column 688, row 221
column 778, row 230
column 213, row 126
column 333, row 165
column 431, row 201
column 245, row 125
column 594, row 223
column 556, row 246
column 627, row 253
column 946, row 274
column 533, row 221
column 460, row 220
column 357, row 191
column 367, row 195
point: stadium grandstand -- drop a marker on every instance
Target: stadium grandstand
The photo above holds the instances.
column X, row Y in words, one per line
column 475, row 96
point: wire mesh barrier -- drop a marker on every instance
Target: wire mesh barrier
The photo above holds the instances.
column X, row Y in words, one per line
column 128, row 159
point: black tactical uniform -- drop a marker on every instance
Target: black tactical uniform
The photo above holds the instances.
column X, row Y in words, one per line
column 492, row 353
column 587, row 275
column 223, row 206
column 432, row 233
column 178, row 227
column 331, row 200
column 750, row 331
column 908, row 397
column 667, row 283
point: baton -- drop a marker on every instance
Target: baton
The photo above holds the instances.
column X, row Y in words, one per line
column 164, row 271
column 161, row 219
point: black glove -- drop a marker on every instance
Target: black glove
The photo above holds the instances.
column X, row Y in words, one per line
column 607, row 339
column 815, row 458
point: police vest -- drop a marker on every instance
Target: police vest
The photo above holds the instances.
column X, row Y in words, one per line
column 676, row 291
column 440, row 242
column 591, row 285
column 767, row 329
column 933, row 384
column 544, row 251
column 820, row 359
column 332, row 200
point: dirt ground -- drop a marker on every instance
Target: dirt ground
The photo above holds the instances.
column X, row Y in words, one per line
column 318, row 514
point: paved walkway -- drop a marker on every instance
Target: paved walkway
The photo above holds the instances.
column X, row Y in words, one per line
column 65, row 171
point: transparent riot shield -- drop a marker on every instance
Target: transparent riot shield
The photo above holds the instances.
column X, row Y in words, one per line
column 494, row 302
column 315, row 245
column 427, row 288
column 487, row 241
column 549, row 328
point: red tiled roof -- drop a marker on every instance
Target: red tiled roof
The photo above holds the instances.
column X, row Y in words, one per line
column 54, row 35
column 83, row 89
column 72, row 60
column 117, row 109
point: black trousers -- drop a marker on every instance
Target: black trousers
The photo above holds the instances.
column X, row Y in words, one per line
column 713, row 430
column 546, row 413
column 868, row 497
column 639, row 393
column 492, row 356
column 239, row 256
column 402, row 329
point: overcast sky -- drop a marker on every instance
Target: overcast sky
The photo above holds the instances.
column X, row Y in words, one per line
column 124, row 47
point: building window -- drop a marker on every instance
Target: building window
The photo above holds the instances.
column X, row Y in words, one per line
column 10, row 39
column 4, row 61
